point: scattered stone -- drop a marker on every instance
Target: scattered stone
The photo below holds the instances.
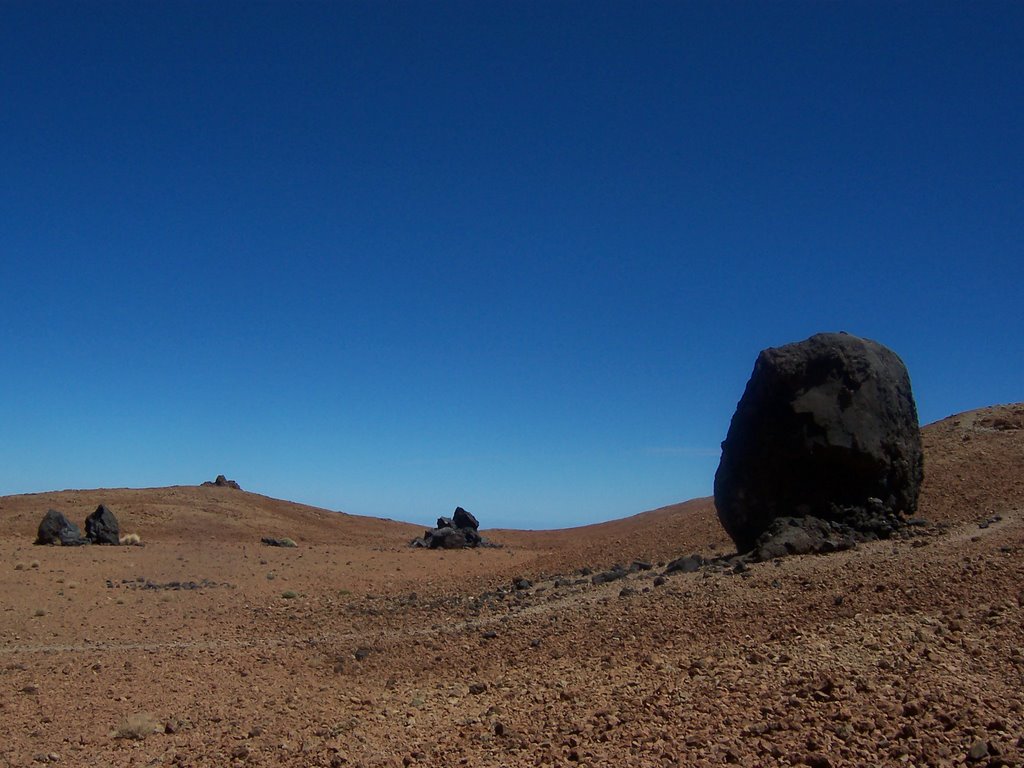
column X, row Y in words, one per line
column 362, row 652
column 477, row 688
column 101, row 527
column 826, row 428
column 660, row 581
column 57, row 529
column 490, row 634
column 521, row 584
column 639, row 565
column 627, row 592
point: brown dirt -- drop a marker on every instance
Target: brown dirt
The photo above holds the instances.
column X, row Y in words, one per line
column 907, row 652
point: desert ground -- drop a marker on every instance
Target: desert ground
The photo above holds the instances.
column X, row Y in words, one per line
column 205, row 648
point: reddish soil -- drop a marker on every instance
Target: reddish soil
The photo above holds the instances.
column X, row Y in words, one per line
column 355, row 650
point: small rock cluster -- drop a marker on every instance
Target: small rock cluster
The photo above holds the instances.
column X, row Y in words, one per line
column 101, row 527
column 222, row 482
column 456, row 532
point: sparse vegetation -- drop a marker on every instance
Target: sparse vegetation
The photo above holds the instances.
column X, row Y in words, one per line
column 131, row 539
column 137, row 726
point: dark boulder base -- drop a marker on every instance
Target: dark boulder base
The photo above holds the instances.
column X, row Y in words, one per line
column 101, row 527
column 55, row 528
column 826, row 428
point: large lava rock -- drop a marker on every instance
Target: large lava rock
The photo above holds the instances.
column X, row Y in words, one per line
column 54, row 528
column 101, row 527
column 827, row 428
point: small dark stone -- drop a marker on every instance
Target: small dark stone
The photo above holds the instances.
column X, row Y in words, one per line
column 477, row 688
column 361, row 653
column 688, row 564
column 490, row 634
column 978, row 751
column 660, row 581
column 627, row 592
column 522, row 584
column 639, row 565
column 606, row 576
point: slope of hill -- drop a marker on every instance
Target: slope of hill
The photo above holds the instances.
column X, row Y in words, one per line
column 354, row 649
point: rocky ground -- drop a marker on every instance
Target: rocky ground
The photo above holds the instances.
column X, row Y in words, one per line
column 205, row 648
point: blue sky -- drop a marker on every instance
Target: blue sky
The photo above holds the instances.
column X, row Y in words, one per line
column 393, row 257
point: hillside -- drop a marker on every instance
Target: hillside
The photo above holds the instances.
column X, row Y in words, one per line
column 354, row 649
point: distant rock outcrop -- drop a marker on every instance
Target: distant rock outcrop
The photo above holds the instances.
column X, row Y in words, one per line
column 222, row 482
column 826, row 429
column 55, row 528
column 101, row 527
column 455, row 532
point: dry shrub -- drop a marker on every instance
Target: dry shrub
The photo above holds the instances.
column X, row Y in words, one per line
column 130, row 539
column 138, row 726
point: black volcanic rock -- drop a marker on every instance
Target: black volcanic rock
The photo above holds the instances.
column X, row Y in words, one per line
column 464, row 519
column 222, row 482
column 826, row 428
column 101, row 527
column 55, row 528
column 455, row 532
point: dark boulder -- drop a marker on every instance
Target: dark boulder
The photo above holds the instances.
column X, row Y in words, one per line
column 54, row 528
column 101, row 527
column 464, row 519
column 222, row 482
column 445, row 538
column 826, row 428
column 455, row 532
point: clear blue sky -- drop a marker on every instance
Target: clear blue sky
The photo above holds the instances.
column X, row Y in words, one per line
column 391, row 257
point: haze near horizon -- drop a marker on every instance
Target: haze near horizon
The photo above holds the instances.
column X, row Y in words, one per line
column 390, row 259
